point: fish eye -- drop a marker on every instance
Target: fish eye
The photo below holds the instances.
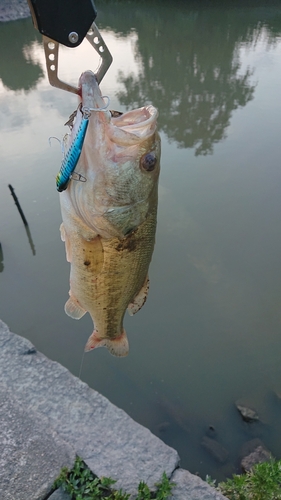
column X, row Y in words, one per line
column 148, row 161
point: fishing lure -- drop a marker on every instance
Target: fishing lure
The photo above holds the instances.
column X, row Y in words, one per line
column 73, row 154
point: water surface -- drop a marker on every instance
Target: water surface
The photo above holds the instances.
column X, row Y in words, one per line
column 210, row 332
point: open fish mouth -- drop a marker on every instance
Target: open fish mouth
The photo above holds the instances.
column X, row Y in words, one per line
column 127, row 128
column 140, row 122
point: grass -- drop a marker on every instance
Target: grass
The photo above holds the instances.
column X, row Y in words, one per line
column 81, row 484
column 263, row 482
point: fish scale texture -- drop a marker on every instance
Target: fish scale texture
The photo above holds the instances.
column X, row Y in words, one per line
column 110, row 442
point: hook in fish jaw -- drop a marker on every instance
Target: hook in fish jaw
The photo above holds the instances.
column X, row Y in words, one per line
column 70, row 120
column 51, row 48
column 87, row 111
column 78, row 177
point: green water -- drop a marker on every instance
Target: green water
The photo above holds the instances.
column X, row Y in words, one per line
column 210, row 332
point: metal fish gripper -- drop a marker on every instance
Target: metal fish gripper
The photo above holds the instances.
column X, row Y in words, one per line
column 68, row 26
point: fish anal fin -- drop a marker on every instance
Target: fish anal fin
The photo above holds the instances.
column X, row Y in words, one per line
column 139, row 299
column 73, row 309
column 64, row 238
column 118, row 346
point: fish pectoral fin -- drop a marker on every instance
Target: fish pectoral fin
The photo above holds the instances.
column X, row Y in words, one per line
column 118, row 346
column 139, row 299
column 73, row 308
column 65, row 238
column 62, row 232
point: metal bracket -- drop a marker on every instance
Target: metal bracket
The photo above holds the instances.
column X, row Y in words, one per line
column 51, row 48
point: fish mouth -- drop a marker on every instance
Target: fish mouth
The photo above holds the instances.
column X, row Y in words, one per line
column 141, row 122
column 89, row 91
column 131, row 127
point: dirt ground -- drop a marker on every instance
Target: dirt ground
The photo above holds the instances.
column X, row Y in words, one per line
column 10, row 10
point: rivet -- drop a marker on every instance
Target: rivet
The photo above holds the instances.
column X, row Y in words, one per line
column 73, row 37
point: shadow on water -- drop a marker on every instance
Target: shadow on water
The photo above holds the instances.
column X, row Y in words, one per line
column 17, row 70
column 190, row 67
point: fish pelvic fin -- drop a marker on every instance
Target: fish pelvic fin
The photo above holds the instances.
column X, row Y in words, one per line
column 117, row 347
column 139, row 299
column 73, row 309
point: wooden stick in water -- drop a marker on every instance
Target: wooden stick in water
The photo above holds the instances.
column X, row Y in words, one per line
column 26, row 226
column 18, row 205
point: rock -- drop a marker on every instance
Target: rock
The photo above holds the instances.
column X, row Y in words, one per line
column 31, row 454
column 211, row 432
column 27, row 352
column 190, row 487
column 110, row 442
column 248, row 414
column 278, row 395
column 59, row 495
column 11, row 10
column 215, row 449
column 175, row 413
column 250, row 446
column 163, row 426
column 259, row 455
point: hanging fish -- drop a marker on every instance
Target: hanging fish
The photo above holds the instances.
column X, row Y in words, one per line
column 109, row 222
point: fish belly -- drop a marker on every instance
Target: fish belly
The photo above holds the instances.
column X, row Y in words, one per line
column 106, row 275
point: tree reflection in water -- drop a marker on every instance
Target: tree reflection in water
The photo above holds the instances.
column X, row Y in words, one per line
column 190, row 65
column 17, row 70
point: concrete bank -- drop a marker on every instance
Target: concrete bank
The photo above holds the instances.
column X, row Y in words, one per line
column 47, row 415
column 11, row 10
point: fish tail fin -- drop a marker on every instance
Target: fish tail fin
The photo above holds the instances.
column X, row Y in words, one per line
column 117, row 347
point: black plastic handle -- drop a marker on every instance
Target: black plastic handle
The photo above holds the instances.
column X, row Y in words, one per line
column 65, row 21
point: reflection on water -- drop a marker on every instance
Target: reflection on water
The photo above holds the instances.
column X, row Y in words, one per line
column 17, row 71
column 196, row 81
column 1, row 259
column 191, row 68
column 210, row 331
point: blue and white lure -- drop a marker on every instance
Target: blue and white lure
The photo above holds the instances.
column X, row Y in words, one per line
column 72, row 156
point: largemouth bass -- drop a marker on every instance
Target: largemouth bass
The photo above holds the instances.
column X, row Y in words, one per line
column 109, row 221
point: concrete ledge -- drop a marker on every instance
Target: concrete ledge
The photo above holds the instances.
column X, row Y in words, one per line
column 108, row 440
column 59, row 495
column 11, row 10
column 31, row 454
column 190, row 487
